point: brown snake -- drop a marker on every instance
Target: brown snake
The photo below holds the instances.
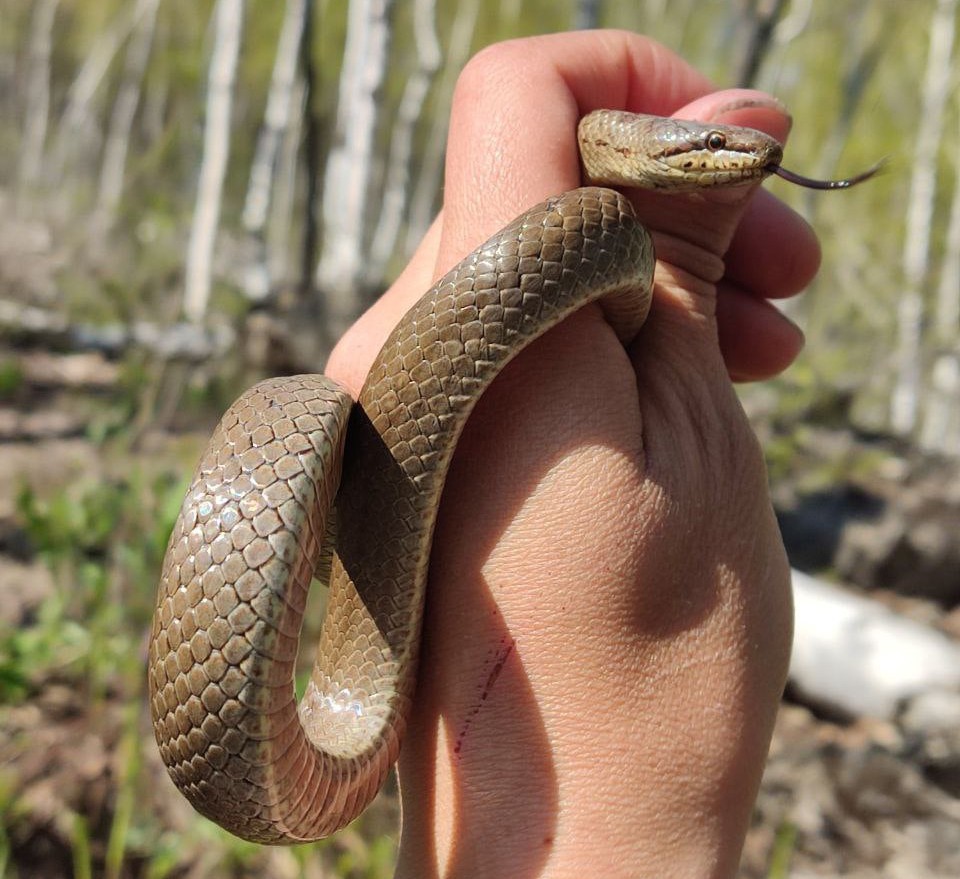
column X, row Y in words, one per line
column 242, row 553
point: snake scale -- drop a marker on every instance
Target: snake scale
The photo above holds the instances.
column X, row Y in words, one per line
column 245, row 546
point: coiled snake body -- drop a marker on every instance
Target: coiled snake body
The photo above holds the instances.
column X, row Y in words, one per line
column 242, row 553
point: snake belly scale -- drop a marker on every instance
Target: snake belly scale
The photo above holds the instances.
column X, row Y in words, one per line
column 230, row 602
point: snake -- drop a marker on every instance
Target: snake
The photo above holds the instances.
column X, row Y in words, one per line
column 296, row 472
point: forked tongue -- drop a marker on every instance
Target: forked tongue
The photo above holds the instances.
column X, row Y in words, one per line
column 811, row 183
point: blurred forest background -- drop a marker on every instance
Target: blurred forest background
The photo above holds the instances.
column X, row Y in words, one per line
column 184, row 208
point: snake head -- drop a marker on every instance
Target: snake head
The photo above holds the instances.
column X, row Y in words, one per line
column 696, row 155
column 654, row 152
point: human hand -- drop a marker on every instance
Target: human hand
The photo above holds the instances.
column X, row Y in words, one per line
column 605, row 541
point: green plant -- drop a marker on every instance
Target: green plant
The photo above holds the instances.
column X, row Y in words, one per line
column 11, row 378
column 80, row 844
column 103, row 542
column 43, row 650
column 783, row 847
column 130, row 767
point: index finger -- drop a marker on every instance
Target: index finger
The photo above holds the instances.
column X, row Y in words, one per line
column 515, row 112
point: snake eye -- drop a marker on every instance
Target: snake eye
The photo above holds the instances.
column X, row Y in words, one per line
column 716, row 141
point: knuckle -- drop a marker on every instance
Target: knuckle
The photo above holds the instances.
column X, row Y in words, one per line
column 484, row 74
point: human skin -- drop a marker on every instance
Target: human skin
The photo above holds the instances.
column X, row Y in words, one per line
column 609, row 614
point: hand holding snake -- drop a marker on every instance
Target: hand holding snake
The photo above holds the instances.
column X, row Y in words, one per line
column 605, row 519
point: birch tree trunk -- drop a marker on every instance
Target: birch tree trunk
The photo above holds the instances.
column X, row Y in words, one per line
column 156, row 95
column 941, row 418
column 284, row 192
column 586, row 15
column 397, row 181
column 905, row 401
column 76, row 135
column 423, row 202
column 864, row 54
column 794, row 23
column 947, row 315
column 940, row 431
column 121, row 119
column 759, row 22
column 228, row 23
column 284, row 96
column 350, row 166
column 276, row 118
column 866, row 44
column 37, row 108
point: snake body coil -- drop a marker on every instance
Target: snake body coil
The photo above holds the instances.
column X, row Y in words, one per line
column 242, row 553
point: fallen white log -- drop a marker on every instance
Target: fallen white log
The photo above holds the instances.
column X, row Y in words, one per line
column 856, row 657
column 50, row 328
column 198, row 271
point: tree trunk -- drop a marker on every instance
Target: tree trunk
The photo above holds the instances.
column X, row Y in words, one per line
column 311, row 167
column 940, row 432
column 759, row 22
column 905, row 402
column 283, row 198
column 350, row 166
column 423, row 202
column 156, row 91
column 396, row 186
column 121, row 119
column 276, row 118
column 586, row 15
column 941, row 418
column 76, row 136
column 37, row 109
column 284, row 98
column 866, row 46
column 228, row 16
column 947, row 315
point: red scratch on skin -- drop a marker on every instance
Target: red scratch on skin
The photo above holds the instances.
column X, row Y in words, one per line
column 504, row 649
